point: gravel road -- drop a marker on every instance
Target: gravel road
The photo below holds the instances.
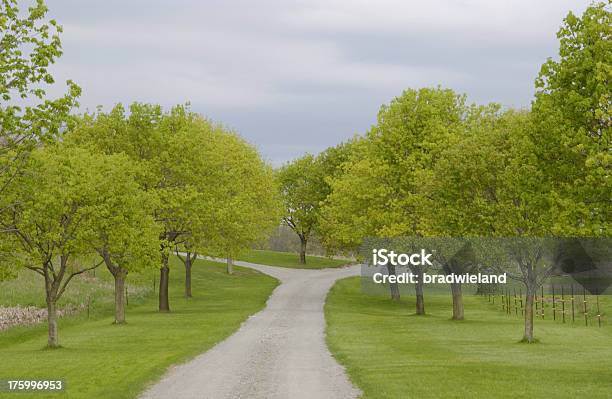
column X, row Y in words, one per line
column 279, row 352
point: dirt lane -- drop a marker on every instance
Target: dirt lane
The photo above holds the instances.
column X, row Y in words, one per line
column 279, row 352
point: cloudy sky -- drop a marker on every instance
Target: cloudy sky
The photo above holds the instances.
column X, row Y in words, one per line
column 298, row 76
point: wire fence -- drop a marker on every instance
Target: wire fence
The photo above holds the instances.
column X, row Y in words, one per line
column 563, row 303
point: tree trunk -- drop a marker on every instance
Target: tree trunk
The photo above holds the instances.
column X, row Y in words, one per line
column 230, row 265
column 53, row 337
column 420, row 300
column 457, row 301
column 393, row 287
column 164, row 305
column 188, row 275
column 119, row 276
column 303, row 243
column 528, row 336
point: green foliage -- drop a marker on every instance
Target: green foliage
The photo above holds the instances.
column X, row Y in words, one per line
column 377, row 195
column 127, row 233
column 29, row 45
column 578, row 84
column 70, row 203
column 332, row 160
column 305, row 184
column 239, row 188
column 302, row 188
column 356, row 207
column 574, row 123
column 434, row 166
column 212, row 191
column 22, row 69
column 487, row 182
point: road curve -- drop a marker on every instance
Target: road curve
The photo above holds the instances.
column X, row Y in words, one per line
column 279, row 352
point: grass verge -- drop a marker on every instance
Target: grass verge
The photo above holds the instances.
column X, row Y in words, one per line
column 290, row 260
column 102, row 360
column 391, row 353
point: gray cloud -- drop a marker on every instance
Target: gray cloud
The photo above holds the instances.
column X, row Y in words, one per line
column 298, row 76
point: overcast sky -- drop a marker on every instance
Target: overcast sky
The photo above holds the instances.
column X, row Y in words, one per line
column 298, row 76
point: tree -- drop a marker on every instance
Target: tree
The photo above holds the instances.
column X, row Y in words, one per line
column 355, row 206
column 63, row 202
column 251, row 208
column 241, row 196
column 446, row 190
column 488, row 183
column 207, row 185
column 28, row 46
column 530, row 260
column 572, row 111
column 126, row 237
column 378, row 193
column 188, row 259
column 144, row 136
column 332, row 161
column 302, row 188
column 455, row 256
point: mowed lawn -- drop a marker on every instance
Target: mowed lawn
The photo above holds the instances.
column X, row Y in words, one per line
column 291, row 260
column 102, row 360
column 391, row 353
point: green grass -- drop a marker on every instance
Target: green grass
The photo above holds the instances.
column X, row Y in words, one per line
column 391, row 353
column 28, row 290
column 102, row 360
column 95, row 287
column 290, row 260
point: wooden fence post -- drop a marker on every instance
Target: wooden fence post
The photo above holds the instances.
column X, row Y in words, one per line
column 573, row 310
column 554, row 308
column 584, row 301
column 542, row 302
column 508, row 304
column 598, row 312
column 563, row 303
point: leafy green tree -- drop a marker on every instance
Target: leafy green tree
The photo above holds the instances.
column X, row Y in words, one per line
column 303, row 188
column 61, row 205
column 378, row 193
column 29, row 45
column 488, row 183
column 356, row 206
column 250, row 206
column 144, row 136
column 127, row 236
column 241, row 196
column 212, row 193
column 573, row 113
column 333, row 159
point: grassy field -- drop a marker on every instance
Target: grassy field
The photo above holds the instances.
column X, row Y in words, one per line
column 391, row 353
column 291, row 260
column 102, row 360
column 97, row 289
